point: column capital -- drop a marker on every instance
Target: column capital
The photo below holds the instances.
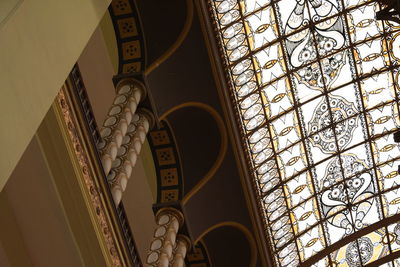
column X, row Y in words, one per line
column 185, row 239
column 170, row 211
column 149, row 115
column 132, row 82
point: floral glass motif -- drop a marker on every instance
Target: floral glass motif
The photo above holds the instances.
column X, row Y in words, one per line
column 315, row 83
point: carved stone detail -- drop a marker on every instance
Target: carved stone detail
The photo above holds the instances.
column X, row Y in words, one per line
column 88, row 177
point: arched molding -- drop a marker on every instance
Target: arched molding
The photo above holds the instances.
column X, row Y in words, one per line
column 178, row 42
column 246, row 232
column 131, row 41
column 167, row 164
column 222, row 150
column 129, row 36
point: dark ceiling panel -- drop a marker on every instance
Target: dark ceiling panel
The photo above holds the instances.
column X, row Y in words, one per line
column 228, row 246
column 185, row 76
column 198, row 141
column 162, row 22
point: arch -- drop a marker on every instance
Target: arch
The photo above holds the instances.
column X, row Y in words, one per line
column 223, row 147
column 131, row 43
column 241, row 228
column 167, row 164
column 178, row 42
column 129, row 35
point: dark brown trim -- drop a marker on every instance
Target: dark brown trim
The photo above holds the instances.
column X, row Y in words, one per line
column 386, row 259
column 369, row 229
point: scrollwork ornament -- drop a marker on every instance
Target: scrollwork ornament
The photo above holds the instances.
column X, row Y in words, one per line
column 355, row 257
column 326, row 136
column 305, row 44
column 355, row 192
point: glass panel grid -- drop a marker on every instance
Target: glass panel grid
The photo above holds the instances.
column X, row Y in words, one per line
column 317, row 94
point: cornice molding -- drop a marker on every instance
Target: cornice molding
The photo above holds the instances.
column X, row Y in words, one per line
column 99, row 202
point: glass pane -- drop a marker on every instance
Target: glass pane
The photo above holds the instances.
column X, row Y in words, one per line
column 300, row 188
column 316, row 89
column 278, row 98
column 269, row 64
column 311, row 242
column 250, row 6
column 369, row 56
column 347, row 256
column 263, row 28
column 388, row 176
column 284, row 131
column 362, row 23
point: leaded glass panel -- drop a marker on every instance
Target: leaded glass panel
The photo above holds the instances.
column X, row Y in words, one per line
column 315, row 83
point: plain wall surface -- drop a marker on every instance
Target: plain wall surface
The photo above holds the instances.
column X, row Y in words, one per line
column 35, row 232
column 97, row 72
column 39, row 44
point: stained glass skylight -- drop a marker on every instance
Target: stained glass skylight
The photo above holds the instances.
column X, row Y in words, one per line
column 315, row 83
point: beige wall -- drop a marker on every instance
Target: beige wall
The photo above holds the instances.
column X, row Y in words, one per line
column 107, row 29
column 97, row 73
column 138, row 201
column 7, row 9
column 34, row 230
column 39, row 43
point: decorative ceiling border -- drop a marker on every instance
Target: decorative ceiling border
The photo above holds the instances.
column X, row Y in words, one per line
column 246, row 162
column 129, row 35
column 167, row 164
column 64, row 106
column 80, row 134
column 219, row 68
column 76, row 91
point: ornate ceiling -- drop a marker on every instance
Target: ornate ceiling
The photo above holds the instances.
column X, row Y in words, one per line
column 315, row 87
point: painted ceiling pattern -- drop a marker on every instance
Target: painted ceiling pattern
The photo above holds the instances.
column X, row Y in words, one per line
column 316, row 86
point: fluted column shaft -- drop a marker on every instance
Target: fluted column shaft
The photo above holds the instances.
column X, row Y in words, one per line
column 179, row 255
column 127, row 154
column 118, row 119
column 168, row 220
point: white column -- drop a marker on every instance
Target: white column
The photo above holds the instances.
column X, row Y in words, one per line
column 115, row 126
column 182, row 246
column 168, row 220
column 127, row 154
